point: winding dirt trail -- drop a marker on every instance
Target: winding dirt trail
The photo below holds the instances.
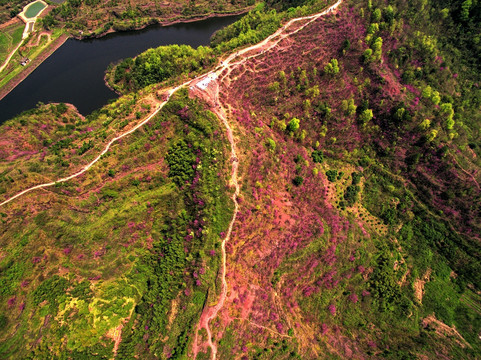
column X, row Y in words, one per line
column 211, row 312
column 227, row 66
column 220, row 73
column 7, row 60
column 107, row 147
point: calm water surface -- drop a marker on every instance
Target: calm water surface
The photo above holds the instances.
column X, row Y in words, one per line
column 74, row 73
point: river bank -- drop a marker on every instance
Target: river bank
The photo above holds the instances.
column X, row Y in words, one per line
column 174, row 21
column 57, row 43
column 84, row 63
column 17, row 79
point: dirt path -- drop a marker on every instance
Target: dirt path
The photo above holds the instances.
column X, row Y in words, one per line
column 107, row 147
column 211, row 312
column 39, row 37
column 10, row 56
column 227, row 65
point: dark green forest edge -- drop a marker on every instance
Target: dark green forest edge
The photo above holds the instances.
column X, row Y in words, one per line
column 169, row 226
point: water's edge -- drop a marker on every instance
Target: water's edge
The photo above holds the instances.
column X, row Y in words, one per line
column 74, row 72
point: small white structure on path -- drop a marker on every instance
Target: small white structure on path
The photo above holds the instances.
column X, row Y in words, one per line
column 204, row 83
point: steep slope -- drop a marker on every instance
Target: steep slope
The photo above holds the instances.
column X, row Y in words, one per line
column 345, row 192
column 343, row 186
column 139, row 228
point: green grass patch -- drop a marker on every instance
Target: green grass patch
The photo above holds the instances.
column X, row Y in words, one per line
column 9, row 39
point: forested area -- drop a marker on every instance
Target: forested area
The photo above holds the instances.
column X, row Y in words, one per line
column 156, row 65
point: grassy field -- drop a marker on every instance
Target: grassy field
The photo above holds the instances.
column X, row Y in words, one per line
column 9, row 39
column 14, row 68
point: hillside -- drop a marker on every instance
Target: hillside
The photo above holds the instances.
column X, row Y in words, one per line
column 336, row 162
column 94, row 18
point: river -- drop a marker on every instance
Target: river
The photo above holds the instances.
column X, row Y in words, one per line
column 75, row 72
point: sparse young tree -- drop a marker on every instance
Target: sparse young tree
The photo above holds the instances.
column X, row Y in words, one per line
column 432, row 135
column 377, row 48
column 436, row 98
column 427, row 92
column 332, row 67
column 348, row 107
column 313, row 92
column 425, row 124
column 365, row 116
column 367, row 56
column 271, row 144
column 293, row 125
column 376, row 15
column 282, row 78
column 448, row 113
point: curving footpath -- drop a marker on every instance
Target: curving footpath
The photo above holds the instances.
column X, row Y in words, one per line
column 10, row 56
column 227, row 65
column 107, row 147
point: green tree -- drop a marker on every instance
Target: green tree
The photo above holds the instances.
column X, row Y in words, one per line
column 425, row 124
column 271, row 144
column 274, row 87
column 448, row 113
column 317, row 156
column 436, row 98
column 282, row 78
column 367, row 56
column 432, row 135
column 377, row 48
column 427, row 92
column 313, row 92
column 293, row 125
column 332, row 67
column 465, row 7
column 389, row 14
column 297, row 180
column 365, row 116
column 348, row 107
column 376, row 16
